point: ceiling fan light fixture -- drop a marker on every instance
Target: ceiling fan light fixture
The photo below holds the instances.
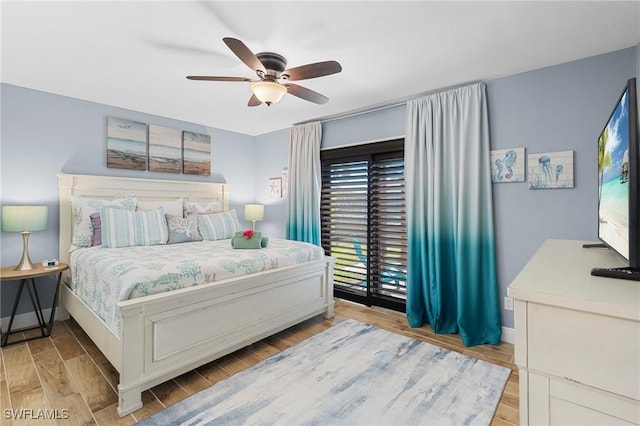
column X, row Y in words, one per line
column 270, row 68
column 268, row 92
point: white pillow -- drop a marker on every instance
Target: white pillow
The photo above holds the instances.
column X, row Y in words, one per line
column 191, row 207
column 81, row 210
column 124, row 228
column 173, row 207
column 218, row 226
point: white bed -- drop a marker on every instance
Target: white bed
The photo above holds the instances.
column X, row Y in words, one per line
column 221, row 316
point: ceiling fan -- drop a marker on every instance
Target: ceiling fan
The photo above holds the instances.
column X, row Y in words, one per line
column 273, row 76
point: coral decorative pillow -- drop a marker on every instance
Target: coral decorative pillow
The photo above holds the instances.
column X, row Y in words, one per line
column 182, row 229
column 81, row 209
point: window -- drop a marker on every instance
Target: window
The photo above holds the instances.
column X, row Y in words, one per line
column 364, row 222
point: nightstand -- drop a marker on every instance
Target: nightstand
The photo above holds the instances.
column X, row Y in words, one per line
column 28, row 280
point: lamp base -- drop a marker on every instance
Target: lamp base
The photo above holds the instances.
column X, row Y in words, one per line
column 25, row 263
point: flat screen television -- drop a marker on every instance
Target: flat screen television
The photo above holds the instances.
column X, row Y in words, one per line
column 619, row 185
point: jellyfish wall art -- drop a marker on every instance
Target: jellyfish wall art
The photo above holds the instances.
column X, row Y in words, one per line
column 550, row 170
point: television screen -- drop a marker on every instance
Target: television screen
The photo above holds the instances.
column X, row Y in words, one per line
column 613, row 172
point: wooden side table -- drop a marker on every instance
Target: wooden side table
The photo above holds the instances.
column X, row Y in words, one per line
column 27, row 279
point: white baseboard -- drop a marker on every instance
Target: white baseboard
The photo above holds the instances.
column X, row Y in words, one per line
column 508, row 335
column 28, row 319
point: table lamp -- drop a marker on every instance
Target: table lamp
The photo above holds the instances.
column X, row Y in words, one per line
column 24, row 219
column 253, row 212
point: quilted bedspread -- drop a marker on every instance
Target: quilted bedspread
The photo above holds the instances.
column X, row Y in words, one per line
column 102, row 277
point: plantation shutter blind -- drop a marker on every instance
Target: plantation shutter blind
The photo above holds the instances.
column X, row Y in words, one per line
column 388, row 225
column 343, row 213
column 363, row 218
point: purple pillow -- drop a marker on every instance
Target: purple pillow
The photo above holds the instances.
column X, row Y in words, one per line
column 96, row 224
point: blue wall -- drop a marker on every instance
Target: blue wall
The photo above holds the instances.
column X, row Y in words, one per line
column 44, row 134
column 559, row 108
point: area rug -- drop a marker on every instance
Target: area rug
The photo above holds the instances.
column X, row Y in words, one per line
column 350, row 374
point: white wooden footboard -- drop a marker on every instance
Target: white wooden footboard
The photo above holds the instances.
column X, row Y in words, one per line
column 168, row 334
column 164, row 336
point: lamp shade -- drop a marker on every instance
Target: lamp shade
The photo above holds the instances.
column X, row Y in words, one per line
column 24, row 218
column 268, row 92
column 253, row 212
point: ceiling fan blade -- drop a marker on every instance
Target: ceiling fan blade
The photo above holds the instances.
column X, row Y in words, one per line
column 306, row 94
column 318, row 69
column 254, row 101
column 245, row 55
column 214, row 78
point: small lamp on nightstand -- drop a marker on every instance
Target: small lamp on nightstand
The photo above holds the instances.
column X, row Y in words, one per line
column 253, row 212
column 24, row 219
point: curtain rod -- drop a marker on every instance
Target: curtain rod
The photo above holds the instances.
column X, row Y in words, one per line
column 381, row 107
column 350, row 114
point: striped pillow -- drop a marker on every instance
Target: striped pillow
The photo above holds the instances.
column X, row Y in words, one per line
column 124, row 228
column 218, row 226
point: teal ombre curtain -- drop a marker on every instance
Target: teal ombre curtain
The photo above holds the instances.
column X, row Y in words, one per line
column 451, row 272
column 305, row 181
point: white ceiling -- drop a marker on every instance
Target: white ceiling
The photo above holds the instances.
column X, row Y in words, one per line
column 136, row 55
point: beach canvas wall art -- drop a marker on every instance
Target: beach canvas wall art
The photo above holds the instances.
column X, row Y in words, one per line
column 508, row 165
column 165, row 149
column 549, row 170
column 196, row 153
column 126, row 144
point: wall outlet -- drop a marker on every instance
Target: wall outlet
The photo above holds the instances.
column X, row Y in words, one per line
column 508, row 303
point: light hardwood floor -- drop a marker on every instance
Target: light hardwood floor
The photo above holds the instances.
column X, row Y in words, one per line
column 66, row 373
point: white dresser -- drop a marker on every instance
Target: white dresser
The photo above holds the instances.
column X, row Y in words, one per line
column 577, row 338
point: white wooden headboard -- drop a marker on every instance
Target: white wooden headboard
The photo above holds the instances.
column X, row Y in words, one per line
column 109, row 187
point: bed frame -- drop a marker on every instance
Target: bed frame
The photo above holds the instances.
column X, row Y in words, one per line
column 165, row 335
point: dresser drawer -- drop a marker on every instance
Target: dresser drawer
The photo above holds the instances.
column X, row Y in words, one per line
column 553, row 401
column 595, row 350
column 581, row 405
